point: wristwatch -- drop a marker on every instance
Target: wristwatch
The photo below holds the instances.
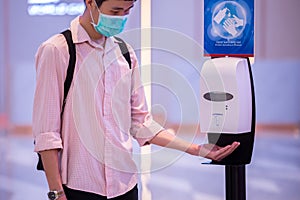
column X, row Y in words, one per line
column 54, row 194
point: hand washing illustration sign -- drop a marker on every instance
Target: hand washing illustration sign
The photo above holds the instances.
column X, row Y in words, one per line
column 229, row 28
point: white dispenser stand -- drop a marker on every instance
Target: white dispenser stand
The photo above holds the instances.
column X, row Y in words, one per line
column 227, row 114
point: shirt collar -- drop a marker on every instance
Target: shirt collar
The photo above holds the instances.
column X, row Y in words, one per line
column 79, row 35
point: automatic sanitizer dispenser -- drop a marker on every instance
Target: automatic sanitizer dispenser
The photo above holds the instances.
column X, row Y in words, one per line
column 227, row 106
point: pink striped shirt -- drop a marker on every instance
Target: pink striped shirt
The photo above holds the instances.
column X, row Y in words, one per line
column 105, row 108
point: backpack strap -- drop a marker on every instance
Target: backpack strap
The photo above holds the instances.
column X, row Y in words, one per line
column 68, row 81
column 124, row 50
column 72, row 52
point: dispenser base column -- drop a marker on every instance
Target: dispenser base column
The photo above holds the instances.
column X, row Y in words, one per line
column 235, row 182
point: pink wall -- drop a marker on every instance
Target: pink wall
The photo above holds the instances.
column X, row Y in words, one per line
column 277, row 29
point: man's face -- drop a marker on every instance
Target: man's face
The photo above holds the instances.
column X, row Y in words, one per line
column 116, row 7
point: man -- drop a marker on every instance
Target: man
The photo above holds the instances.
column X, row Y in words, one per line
column 87, row 154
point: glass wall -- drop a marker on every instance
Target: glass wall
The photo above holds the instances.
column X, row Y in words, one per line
column 177, row 51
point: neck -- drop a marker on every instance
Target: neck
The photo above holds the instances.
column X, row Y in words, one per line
column 85, row 22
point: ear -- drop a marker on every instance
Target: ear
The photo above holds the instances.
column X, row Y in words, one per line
column 91, row 4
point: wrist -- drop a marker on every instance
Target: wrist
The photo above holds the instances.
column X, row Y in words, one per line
column 194, row 150
column 55, row 194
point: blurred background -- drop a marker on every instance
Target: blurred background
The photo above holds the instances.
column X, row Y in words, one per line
column 274, row 171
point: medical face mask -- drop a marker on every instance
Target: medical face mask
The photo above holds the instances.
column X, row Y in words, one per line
column 109, row 25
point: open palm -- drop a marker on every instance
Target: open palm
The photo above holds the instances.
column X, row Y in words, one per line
column 214, row 152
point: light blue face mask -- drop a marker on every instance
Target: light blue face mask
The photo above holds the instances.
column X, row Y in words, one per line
column 109, row 25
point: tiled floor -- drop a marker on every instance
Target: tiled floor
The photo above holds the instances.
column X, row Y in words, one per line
column 273, row 174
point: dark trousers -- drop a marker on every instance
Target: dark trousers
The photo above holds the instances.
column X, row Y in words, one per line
column 81, row 195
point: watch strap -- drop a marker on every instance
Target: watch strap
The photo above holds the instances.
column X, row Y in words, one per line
column 55, row 194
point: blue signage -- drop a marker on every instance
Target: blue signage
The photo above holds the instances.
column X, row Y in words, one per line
column 229, row 28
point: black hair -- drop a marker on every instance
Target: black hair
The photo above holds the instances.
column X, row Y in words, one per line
column 99, row 2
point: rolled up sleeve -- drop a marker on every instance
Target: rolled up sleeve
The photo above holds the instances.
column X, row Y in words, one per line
column 143, row 127
column 144, row 132
column 46, row 122
column 46, row 141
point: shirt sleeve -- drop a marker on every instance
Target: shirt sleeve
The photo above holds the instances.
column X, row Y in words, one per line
column 48, row 97
column 143, row 127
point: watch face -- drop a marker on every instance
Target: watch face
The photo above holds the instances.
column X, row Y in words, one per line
column 51, row 195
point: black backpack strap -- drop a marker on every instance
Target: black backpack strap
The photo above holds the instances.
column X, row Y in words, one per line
column 124, row 50
column 68, row 81
column 71, row 67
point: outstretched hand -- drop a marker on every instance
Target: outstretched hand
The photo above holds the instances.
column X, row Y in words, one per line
column 214, row 152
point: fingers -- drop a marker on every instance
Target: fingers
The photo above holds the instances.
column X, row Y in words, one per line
column 216, row 152
column 225, row 151
column 222, row 153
